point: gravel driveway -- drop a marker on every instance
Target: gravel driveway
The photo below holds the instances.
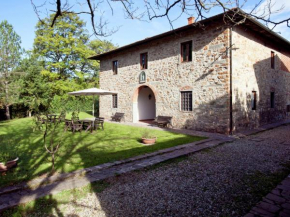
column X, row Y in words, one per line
column 225, row 181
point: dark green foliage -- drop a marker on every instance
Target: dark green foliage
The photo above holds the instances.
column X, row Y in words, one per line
column 10, row 52
column 64, row 47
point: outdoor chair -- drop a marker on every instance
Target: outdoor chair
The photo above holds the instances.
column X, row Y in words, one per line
column 118, row 116
column 163, row 121
column 41, row 120
column 77, row 125
column 99, row 122
column 61, row 118
column 67, row 125
column 52, row 118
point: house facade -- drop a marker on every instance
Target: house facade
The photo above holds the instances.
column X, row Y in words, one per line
column 208, row 76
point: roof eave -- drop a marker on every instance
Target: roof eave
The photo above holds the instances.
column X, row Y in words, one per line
column 194, row 25
column 146, row 40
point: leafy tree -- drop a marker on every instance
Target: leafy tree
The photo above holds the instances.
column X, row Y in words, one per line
column 10, row 53
column 63, row 48
column 64, row 51
column 35, row 93
column 99, row 46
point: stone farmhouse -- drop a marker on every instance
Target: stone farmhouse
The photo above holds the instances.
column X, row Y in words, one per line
column 212, row 75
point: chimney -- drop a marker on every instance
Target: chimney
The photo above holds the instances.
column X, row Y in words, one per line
column 190, row 20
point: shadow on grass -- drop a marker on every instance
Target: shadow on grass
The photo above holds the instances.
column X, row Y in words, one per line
column 78, row 150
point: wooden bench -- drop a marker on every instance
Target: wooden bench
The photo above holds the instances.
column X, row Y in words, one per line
column 163, row 121
column 118, row 116
column 99, row 122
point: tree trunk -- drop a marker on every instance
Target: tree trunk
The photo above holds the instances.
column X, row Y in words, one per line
column 53, row 162
column 7, row 112
column 7, row 103
column 29, row 114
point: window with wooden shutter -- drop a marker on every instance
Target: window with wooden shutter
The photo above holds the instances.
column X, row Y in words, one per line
column 272, row 59
column 144, row 60
column 115, row 100
column 186, row 51
column 186, row 101
column 272, row 99
column 115, row 67
column 254, row 100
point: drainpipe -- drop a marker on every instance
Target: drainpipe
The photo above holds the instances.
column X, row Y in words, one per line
column 231, row 82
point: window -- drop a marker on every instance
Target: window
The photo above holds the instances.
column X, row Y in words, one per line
column 272, row 99
column 115, row 67
column 272, row 59
column 144, row 60
column 254, row 100
column 186, row 101
column 142, row 77
column 186, row 51
column 115, row 100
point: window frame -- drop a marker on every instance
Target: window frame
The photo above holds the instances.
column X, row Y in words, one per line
column 115, row 69
column 272, row 99
column 254, row 100
column 272, row 60
column 183, row 107
column 114, row 100
column 288, row 108
column 189, row 51
column 146, row 61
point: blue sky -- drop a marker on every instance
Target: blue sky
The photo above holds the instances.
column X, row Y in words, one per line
column 20, row 14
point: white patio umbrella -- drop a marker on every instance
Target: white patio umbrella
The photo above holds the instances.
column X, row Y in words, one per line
column 92, row 92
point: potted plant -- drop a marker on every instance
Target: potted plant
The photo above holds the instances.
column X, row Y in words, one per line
column 148, row 138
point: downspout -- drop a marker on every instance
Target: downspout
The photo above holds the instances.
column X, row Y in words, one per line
column 231, row 82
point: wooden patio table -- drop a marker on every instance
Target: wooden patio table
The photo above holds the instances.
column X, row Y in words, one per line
column 90, row 122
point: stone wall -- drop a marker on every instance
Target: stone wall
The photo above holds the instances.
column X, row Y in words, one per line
column 207, row 76
column 252, row 72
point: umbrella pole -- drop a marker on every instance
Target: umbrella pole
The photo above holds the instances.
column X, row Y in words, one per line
column 94, row 105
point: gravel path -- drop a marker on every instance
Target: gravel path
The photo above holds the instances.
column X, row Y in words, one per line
column 225, row 181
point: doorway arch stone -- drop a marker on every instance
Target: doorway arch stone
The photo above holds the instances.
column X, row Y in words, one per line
column 144, row 103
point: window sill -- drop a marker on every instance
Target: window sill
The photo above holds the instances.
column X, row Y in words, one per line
column 186, row 111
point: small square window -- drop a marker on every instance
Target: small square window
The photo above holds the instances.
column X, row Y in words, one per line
column 115, row 67
column 272, row 99
column 186, row 51
column 272, row 59
column 144, row 60
column 254, row 100
column 288, row 108
column 186, row 101
column 115, row 100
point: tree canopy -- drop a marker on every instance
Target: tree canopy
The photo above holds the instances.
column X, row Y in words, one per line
column 10, row 53
column 39, row 79
column 63, row 48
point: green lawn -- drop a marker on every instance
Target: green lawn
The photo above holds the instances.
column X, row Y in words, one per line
column 77, row 151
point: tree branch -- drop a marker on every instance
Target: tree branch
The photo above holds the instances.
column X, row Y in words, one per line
column 162, row 8
column 58, row 12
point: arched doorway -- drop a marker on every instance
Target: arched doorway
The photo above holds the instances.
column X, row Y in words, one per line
column 144, row 104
